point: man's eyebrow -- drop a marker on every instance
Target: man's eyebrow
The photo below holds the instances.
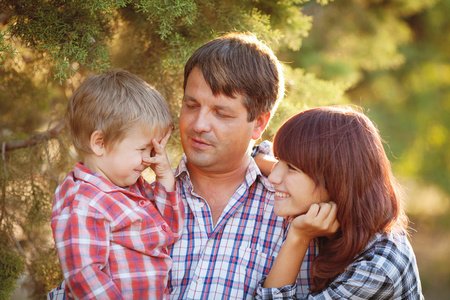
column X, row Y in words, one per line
column 223, row 107
column 190, row 98
column 217, row 106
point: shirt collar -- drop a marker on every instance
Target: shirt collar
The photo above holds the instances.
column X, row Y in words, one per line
column 82, row 172
column 253, row 174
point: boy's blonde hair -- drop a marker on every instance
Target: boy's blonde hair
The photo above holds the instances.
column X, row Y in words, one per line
column 113, row 103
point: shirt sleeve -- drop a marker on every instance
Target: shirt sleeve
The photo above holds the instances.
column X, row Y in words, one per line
column 82, row 237
column 362, row 279
column 171, row 207
column 286, row 292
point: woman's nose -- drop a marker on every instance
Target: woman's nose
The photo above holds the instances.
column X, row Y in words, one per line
column 275, row 176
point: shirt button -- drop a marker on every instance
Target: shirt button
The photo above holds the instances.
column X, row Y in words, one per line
column 201, row 204
column 142, row 203
column 200, row 281
column 164, row 228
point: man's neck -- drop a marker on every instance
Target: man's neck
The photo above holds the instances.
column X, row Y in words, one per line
column 217, row 187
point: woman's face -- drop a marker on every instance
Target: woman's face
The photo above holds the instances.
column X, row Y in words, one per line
column 295, row 191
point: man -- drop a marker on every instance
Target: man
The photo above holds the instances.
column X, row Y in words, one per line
column 231, row 87
column 231, row 237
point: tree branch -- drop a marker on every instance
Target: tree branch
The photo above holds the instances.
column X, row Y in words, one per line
column 36, row 139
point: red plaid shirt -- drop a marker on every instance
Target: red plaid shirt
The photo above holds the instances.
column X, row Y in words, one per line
column 112, row 242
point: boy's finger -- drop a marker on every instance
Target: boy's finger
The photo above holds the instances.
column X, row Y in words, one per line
column 146, row 160
column 157, row 147
column 163, row 142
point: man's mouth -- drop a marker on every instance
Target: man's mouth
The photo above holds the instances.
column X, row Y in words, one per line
column 199, row 142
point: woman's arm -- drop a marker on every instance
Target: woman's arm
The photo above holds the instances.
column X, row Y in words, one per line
column 265, row 163
column 320, row 220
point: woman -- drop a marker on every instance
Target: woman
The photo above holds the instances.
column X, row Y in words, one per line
column 336, row 154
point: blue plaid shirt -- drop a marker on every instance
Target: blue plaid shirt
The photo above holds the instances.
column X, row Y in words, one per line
column 386, row 269
column 226, row 261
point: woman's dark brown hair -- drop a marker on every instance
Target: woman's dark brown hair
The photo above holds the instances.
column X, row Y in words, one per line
column 341, row 149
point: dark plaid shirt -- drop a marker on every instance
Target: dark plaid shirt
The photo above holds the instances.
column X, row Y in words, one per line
column 386, row 269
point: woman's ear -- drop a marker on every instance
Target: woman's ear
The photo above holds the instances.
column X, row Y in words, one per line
column 97, row 143
column 260, row 125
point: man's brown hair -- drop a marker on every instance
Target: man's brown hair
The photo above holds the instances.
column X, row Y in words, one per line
column 240, row 64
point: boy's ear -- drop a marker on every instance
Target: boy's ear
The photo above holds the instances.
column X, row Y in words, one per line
column 260, row 125
column 97, row 143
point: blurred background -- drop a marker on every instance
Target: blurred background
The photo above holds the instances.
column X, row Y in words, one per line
column 392, row 57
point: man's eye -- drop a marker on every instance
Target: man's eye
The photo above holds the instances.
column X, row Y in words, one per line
column 190, row 105
column 221, row 115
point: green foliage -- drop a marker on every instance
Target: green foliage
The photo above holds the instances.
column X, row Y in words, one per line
column 6, row 49
column 67, row 31
column 391, row 57
column 304, row 90
column 167, row 13
column 46, row 271
column 11, row 267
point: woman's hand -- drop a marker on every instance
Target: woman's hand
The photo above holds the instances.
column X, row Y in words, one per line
column 320, row 220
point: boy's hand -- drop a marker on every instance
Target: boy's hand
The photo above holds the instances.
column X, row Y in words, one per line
column 320, row 220
column 159, row 163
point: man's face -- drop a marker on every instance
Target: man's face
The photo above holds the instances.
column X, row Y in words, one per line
column 214, row 130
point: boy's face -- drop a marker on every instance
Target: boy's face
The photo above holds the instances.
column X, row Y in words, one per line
column 122, row 164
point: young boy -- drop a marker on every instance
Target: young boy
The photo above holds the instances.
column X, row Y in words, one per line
column 111, row 228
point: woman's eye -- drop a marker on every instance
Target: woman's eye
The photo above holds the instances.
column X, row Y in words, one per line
column 291, row 167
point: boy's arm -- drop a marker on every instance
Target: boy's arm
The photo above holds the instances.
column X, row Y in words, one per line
column 82, row 240
column 171, row 207
column 320, row 220
column 168, row 201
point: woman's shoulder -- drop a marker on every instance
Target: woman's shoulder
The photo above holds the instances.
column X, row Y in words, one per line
column 391, row 250
column 392, row 256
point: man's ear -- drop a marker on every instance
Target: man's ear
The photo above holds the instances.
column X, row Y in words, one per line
column 97, row 143
column 260, row 125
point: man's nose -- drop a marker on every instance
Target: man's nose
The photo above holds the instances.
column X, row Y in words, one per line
column 202, row 122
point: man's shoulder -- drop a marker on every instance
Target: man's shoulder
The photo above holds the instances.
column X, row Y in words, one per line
column 255, row 177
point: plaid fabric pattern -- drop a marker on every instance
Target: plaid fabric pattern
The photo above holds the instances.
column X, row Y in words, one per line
column 112, row 242
column 227, row 260
column 386, row 269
